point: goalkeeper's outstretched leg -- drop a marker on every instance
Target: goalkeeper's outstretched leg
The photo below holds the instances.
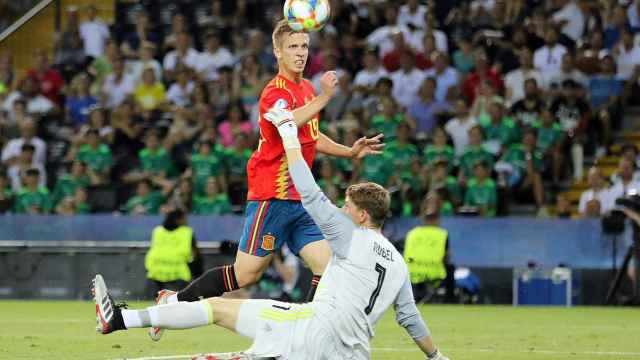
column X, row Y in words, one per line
column 274, row 326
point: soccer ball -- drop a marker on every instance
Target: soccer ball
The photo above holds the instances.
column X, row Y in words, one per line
column 307, row 15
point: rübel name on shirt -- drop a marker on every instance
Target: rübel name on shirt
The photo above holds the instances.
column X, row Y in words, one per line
column 382, row 252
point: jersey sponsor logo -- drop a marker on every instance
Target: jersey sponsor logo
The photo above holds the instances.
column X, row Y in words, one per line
column 384, row 253
column 281, row 104
column 268, row 242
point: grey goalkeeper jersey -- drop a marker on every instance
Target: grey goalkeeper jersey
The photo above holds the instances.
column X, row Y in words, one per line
column 366, row 273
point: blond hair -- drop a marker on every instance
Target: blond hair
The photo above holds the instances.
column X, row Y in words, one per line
column 282, row 28
column 372, row 198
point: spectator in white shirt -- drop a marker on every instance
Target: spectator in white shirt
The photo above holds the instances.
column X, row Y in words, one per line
column 486, row 5
column 629, row 152
column 622, row 187
column 94, row 33
column 458, row 127
column 213, row 58
column 407, row 80
column 329, row 63
column 178, row 25
column 180, row 91
column 29, row 93
column 146, row 53
column 381, row 37
column 633, row 14
column 412, row 13
column 183, row 54
column 627, row 55
column 591, row 200
column 24, row 162
column 549, row 57
column 446, row 76
column 12, row 150
column 514, row 81
column 372, row 71
column 117, row 86
column 570, row 19
column 553, row 79
column 416, row 38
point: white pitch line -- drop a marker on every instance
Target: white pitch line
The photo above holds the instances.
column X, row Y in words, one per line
column 168, row 357
column 391, row 349
column 550, row 352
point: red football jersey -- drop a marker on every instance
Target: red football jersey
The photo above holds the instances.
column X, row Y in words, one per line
column 267, row 170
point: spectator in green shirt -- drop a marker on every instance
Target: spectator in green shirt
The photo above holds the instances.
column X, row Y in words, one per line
column 6, row 195
column 405, row 169
column 80, row 200
column 446, row 206
column 551, row 137
column 440, row 179
column 73, row 205
column 387, row 119
column 97, row 156
column 439, row 149
column 207, row 162
column 101, row 67
column 237, row 158
column 66, row 207
column 345, row 165
column 155, row 160
column 146, row 201
column 213, row 202
column 524, row 165
column 377, row 169
column 69, row 182
column 401, row 150
column 330, row 182
column 32, row 199
column 481, row 191
column 500, row 130
column 474, row 152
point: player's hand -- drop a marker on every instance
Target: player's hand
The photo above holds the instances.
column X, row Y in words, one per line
column 287, row 128
column 367, row 146
column 329, row 83
column 278, row 116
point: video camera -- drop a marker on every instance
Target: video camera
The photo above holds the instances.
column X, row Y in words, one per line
column 631, row 202
column 614, row 222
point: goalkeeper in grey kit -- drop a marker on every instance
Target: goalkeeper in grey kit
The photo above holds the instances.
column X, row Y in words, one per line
column 365, row 276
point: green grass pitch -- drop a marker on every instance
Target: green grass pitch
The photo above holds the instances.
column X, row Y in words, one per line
column 65, row 331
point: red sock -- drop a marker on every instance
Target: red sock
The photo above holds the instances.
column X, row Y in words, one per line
column 312, row 289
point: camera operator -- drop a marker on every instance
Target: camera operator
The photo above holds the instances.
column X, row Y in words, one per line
column 634, row 216
column 621, row 187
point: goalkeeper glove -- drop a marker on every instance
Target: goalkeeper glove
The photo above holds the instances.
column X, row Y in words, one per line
column 287, row 127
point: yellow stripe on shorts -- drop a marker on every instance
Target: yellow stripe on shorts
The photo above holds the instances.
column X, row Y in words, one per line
column 286, row 315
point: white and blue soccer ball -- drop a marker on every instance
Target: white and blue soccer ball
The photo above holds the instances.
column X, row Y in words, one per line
column 307, row 15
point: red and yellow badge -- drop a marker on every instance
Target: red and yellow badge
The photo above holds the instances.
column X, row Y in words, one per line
column 268, row 242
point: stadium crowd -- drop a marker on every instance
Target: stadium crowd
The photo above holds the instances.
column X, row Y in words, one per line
column 483, row 103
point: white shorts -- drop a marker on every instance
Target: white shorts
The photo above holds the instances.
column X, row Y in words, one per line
column 285, row 331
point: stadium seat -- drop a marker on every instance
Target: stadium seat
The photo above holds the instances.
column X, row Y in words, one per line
column 102, row 199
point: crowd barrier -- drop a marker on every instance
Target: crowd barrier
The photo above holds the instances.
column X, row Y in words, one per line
column 502, row 242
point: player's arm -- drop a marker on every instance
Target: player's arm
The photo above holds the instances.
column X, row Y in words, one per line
column 360, row 148
column 328, row 86
column 408, row 316
column 334, row 224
